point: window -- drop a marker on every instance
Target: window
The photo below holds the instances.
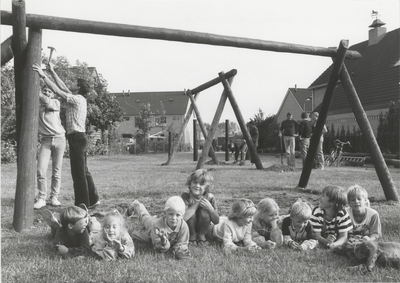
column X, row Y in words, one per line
column 160, row 120
column 175, row 117
column 127, row 118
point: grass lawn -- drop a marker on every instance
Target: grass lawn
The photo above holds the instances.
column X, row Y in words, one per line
column 30, row 257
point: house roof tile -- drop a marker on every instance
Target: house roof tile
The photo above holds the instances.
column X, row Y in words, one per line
column 175, row 102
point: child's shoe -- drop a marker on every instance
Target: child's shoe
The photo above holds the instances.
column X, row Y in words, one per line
column 131, row 208
column 49, row 217
column 54, row 201
column 39, row 203
column 94, row 205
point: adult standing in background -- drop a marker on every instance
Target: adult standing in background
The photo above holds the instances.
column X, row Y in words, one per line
column 74, row 96
column 319, row 158
column 254, row 133
column 52, row 144
column 288, row 130
column 305, row 130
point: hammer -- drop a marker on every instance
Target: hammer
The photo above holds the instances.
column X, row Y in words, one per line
column 51, row 52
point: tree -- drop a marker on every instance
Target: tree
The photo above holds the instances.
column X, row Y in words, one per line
column 143, row 122
column 102, row 110
column 268, row 128
column 388, row 129
column 233, row 128
column 8, row 130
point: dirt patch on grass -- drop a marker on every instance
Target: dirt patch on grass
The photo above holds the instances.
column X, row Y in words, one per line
column 280, row 168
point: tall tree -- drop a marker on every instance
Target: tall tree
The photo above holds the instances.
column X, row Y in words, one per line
column 143, row 122
column 268, row 129
column 8, row 130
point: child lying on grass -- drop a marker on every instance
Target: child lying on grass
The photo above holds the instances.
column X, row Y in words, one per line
column 71, row 232
column 113, row 240
column 297, row 230
column 234, row 232
column 330, row 220
column 265, row 230
column 169, row 232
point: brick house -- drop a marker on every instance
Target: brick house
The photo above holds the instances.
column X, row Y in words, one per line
column 375, row 76
column 175, row 104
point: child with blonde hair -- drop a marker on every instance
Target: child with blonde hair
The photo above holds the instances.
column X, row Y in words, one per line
column 297, row 230
column 330, row 221
column 201, row 207
column 169, row 232
column 234, row 232
column 366, row 221
column 113, row 240
column 265, row 229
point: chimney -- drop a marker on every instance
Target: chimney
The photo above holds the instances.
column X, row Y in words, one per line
column 378, row 30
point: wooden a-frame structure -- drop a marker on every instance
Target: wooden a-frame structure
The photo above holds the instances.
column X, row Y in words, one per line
column 226, row 80
column 27, row 52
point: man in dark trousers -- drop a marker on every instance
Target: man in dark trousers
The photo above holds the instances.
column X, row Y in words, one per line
column 254, row 137
column 74, row 98
column 288, row 130
column 305, row 130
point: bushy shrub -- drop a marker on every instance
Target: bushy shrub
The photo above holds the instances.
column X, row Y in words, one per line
column 98, row 149
column 8, row 152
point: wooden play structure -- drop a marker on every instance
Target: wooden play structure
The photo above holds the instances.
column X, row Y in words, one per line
column 226, row 80
column 27, row 52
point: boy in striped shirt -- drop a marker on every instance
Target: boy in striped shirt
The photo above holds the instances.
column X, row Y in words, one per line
column 331, row 222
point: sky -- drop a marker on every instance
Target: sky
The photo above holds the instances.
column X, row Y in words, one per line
column 263, row 77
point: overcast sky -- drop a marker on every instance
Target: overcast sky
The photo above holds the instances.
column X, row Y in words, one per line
column 263, row 76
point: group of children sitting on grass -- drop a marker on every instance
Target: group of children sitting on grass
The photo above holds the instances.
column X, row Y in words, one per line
column 192, row 219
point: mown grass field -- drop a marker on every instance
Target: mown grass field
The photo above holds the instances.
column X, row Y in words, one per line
column 30, row 257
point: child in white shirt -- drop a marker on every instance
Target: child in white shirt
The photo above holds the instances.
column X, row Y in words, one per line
column 365, row 220
column 234, row 232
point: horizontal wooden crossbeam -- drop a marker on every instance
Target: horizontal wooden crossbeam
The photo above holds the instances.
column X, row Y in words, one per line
column 123, row 30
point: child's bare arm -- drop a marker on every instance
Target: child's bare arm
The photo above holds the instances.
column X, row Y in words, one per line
column 205, row 204
column 342, row 238
column 321, row 240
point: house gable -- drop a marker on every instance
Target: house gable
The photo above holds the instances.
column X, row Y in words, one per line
column 294, row 102
column 375, row 76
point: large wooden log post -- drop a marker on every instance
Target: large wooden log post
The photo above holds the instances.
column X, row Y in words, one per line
column 378, row 160
column 241, row 121
column 76, row 25
column 226, row 140
column 6, row 51
column 201, row 124
column 195, row 92
column 195, row 145
column 326, row 103
column 214, row 124
column 19, row 44
column 26, row 165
